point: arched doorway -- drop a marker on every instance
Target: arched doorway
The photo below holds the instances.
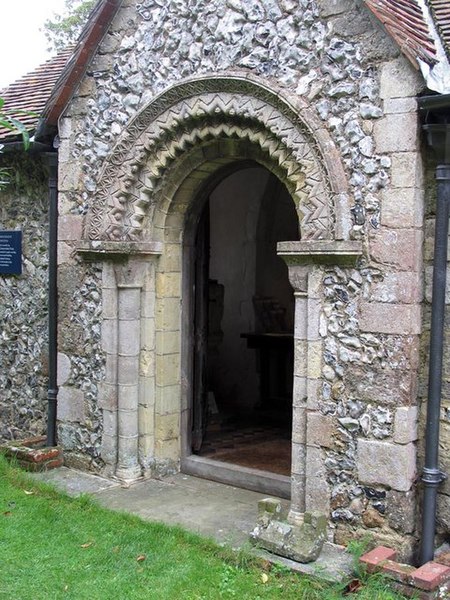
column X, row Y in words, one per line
column 143, row 224
column 243, row 322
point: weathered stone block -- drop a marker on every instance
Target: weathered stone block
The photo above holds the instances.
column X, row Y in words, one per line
column 300, row 391
column 401, row 511
column 317, row 494
column 299, row 425
column 168, row 314
column 301, row 543
column 320, row 430
column 70, row 227
column 168, row 450
column 129, row 303
column 128, row 397
column 65, row 253
column 170, row 260
column 384, row 463
column 402, row 208
column 398, row 287
column 168, row 399
column 71, row 404
column 300, row 358
column 396, row 133
column 129, row 337
column 315, row 351
column 107, row 396
column 167, row 369
column 314, row 387
column 64, row 368
column 168, row 285
column 399, row 70
column 298, row 458
column 167, row 427
column 377, row 317
column 147, row 391
column 168, row 342
column 406, row 170
column 128, row 370
column 399, row 105
column 405, row 425
column 147, row 363
column 109, row 335
column 399, row 247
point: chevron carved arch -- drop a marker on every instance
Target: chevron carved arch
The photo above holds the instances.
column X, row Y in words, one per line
column 191, row 114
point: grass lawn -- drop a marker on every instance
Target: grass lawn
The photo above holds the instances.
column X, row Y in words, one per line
column 53, row 546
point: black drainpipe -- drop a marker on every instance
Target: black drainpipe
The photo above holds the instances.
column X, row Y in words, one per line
column 437, row 111
column 52, row 394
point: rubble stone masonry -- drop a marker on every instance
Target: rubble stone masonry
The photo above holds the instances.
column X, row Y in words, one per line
column 357, row 347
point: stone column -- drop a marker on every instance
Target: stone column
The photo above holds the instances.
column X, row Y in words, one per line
column 299, row 405
column 304, row 260
column 130, row 278
column 127, row 395
column 108, row 390
column 129, row 308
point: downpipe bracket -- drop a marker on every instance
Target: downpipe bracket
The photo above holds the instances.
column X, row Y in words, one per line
column 433, row 477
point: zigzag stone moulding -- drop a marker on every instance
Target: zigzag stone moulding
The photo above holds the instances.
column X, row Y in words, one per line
column 191, row 113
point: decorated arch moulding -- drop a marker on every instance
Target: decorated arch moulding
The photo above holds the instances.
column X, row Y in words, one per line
column 189, row 115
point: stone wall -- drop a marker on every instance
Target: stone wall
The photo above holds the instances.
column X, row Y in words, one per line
column 364, row 322
column 23, row 301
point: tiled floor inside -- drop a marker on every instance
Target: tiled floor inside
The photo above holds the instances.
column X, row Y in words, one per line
column 259, row 446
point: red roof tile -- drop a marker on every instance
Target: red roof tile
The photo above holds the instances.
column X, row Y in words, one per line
column 441, row 13
column 31, row 92
column 405, row 21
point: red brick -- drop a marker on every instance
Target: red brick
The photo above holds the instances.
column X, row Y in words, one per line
column 430, row 575
column 376, row 556
column 398, row 571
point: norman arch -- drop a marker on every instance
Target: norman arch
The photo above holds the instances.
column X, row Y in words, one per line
column 146, row 211
column 241, row 111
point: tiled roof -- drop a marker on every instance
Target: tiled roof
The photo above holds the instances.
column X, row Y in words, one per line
column 405, row 21
column 31, row 93
column 441, row 13
column 421, row 29
column 46, row 90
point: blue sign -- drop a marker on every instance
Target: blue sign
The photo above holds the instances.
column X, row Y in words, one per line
column 10, row 252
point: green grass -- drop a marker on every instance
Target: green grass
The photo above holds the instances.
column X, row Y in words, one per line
column 53, row 546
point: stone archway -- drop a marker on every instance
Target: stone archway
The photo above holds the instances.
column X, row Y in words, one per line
column 144, row 214
column 238, row 109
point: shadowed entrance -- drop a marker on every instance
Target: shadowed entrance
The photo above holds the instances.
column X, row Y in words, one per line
column 244, row 316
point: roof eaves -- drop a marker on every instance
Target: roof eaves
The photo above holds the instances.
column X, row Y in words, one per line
column 89, row 40
column 25, row 98
column 416, row 30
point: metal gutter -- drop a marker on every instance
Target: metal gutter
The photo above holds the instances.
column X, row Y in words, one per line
column 52, row 393
column 437, row 128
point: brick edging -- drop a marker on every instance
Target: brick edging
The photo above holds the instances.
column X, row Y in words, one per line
column 431, row 580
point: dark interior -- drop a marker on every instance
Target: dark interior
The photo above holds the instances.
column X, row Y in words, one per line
column 245, row 317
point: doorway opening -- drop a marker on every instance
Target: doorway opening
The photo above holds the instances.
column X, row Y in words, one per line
column 244, row 325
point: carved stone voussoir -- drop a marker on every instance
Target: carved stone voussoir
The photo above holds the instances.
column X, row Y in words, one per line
column 188, row 115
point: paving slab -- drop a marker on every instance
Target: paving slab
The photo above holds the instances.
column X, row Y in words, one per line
column 222, row 512
column 75, row 483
